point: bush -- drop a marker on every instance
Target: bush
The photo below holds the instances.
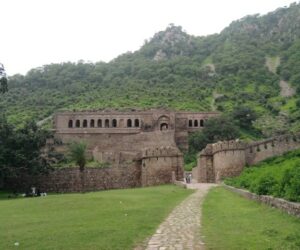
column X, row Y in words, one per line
column 290, row 185
column 190, row 166
column 277, row 176
column 264, row 185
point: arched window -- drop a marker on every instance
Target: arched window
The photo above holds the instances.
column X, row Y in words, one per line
column 201, row 123
column 70, row 125
column 114, row 123
column 129, row 123
column 190, row 123
column 136, row 123
column 84, row 123
column 196, row 123
column 77, row 124
column 99, row 123
column 106, row 123
column 92, row 123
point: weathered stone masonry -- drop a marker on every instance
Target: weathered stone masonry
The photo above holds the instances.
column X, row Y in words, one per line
column 140, row 147
column 227, row 159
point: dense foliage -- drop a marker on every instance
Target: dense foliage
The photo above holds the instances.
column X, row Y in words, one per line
column 21, row 150
column 178, row 71
column 279, row 176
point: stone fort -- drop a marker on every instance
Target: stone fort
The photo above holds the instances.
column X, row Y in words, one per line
column 144, row 148
column 149, row 141
column 228, row 158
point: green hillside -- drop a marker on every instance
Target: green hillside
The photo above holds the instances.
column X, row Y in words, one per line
column 278, row 176
column 241, row 66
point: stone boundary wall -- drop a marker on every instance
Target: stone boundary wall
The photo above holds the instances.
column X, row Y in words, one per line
column 228, row 159
column 72, row 180
column 153, row 167
column 287, row 206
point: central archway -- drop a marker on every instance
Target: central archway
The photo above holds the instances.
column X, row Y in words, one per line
column 163, row 123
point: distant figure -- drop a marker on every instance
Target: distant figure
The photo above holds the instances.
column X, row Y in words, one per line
column 188, row 178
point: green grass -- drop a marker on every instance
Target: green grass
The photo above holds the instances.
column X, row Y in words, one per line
column 4, row 195
column 277, row 176
column 232, row 222
column 290, row 105
column 116, row 219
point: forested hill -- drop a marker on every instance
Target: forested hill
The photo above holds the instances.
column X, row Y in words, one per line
column 255, row 62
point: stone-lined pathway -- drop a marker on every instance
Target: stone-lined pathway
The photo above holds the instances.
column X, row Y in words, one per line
column 181, row 229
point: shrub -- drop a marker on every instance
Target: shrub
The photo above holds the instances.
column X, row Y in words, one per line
column 291, row 184
column 264, row 185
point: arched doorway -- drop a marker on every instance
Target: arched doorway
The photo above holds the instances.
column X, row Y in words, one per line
column 164, row 126
column 164, row 123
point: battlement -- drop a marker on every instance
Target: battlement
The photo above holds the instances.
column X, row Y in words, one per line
column 228, row 145
column 240, row 145
column 228, row 158
column 276, row 140
column 160, row 152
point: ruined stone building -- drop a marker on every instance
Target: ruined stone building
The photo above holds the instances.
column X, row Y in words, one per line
column 228, row 158
column 148, row 141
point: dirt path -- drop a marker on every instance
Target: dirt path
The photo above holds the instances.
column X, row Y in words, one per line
column 181, row 229
column 272, row 63
column 286, row 89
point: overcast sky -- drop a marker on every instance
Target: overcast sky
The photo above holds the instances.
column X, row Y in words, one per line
column 38, row 32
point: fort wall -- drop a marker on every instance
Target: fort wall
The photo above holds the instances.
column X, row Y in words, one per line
column 161, row 165
column 72, row 180
column 155, row 166
column 227, row 159
column 139, row 148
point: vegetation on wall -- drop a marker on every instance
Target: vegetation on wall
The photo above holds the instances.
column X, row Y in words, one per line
column 77, row 153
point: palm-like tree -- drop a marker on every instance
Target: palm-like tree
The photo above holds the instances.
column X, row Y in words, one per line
column 77, row 152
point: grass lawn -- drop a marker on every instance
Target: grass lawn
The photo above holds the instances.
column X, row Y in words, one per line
column 232, row 222
column 115, row 219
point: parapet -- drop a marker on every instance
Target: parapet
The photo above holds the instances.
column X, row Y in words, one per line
column 239, row 145
column 160, row 152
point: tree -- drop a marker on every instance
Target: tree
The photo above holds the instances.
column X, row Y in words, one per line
column 21, row 150
column 77, row 152
column 244, row 116
column 3, row 79
column 3, row 85
column 216, row 129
